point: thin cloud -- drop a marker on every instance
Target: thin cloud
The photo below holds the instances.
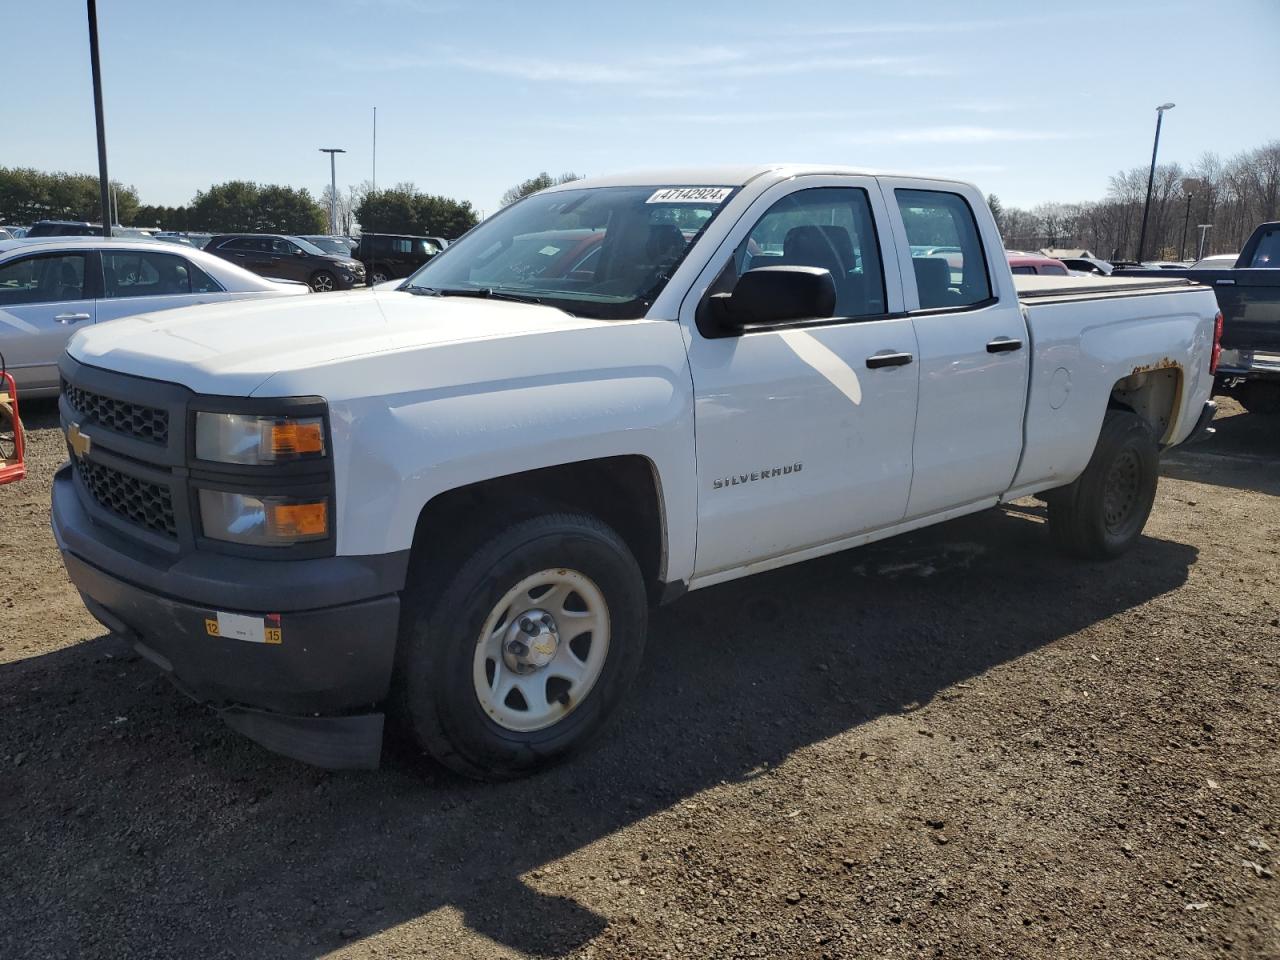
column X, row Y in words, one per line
column 953, row 135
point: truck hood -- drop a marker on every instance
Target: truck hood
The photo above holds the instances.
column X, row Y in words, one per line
column 233, row 349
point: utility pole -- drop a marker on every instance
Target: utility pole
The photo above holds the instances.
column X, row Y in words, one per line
column 104, row 186
column 333, row 186
column 373, row 181
column 1151, row 179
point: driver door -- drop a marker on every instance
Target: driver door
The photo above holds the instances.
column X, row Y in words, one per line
column 804, row 428
column 44, row 299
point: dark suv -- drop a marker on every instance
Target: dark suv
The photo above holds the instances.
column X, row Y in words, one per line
column 288, row 258
column 388, row 256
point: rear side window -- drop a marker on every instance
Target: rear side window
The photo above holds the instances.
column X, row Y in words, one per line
column 946, row 250
column 47, row 279
column 1268, row 252
column 130, row 274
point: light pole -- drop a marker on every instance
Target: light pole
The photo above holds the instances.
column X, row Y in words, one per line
column 1186, row 219
column 103, row 183
column 1204, row 228
column 1151, row 179
column 333, row 186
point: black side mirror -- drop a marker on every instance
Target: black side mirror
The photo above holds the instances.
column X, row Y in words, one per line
column 772, row 295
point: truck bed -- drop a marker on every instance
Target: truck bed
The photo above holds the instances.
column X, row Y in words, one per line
column 1041, row 288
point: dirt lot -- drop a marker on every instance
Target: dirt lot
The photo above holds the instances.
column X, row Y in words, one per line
column 951, row 745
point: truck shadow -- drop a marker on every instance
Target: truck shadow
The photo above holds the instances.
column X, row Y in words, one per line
column 1236, row 455
column 135, row 824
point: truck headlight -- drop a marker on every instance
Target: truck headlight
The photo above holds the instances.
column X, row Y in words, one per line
column 254, row 440
column 264, row 521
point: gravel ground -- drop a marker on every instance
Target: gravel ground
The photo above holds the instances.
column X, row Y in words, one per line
column 955, row 744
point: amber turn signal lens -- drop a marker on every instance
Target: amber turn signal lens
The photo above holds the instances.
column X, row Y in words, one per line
column 298, row 520
column 293, row 438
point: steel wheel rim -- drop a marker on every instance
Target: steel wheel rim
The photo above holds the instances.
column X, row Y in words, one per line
column 553, row 691
column 322, row 284
column 1124, row 481
column 380, row 277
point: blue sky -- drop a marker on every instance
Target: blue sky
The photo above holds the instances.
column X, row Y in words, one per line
column 1031, row 101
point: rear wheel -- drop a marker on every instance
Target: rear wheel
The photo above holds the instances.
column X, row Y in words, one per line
column 1260, row 396
column 1101, row 514
column 523, row 647
column 322, row 281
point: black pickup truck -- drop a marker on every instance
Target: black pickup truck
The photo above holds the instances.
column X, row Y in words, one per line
column 1249, row 298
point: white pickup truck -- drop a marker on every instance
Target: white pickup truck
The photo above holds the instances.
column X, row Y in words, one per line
column 455, row 500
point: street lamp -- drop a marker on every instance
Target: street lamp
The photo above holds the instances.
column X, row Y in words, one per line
column 1151, row 179
column 333, row 187
column 1204, row 228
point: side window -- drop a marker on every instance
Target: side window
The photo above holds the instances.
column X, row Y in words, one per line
column 1268, row 252
column 240, row 243
column 47, row 279
column 1024, row 270
column 826, row 227
column 130, row 274
column 946, row 250
column 283, row 247
column 1053, row 270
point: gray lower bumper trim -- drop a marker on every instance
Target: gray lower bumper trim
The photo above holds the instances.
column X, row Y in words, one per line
column 337, row 743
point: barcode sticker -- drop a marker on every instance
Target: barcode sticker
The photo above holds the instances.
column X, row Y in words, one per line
column 690, row 195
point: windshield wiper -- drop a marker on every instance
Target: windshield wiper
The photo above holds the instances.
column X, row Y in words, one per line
column 481, row 293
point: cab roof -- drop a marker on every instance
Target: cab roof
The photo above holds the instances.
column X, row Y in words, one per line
column 730, row 175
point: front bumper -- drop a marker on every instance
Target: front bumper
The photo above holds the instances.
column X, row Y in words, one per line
column 314, row 695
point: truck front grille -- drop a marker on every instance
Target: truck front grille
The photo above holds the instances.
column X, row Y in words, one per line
column 130, row 419
column 147, row 504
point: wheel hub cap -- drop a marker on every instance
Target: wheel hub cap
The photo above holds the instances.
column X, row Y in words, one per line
column 531, row 642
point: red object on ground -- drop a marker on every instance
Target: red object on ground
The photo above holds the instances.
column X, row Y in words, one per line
column 12, row 466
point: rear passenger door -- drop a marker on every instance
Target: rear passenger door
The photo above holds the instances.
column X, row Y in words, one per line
column 44, row 299
column 973, row 345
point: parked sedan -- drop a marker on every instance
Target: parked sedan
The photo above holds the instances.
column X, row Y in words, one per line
column 49, row 288
column 289, row 258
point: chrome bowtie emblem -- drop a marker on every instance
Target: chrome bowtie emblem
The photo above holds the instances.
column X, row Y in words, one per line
column 80, row 443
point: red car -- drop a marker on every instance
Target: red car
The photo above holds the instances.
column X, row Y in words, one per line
column 1034, row 263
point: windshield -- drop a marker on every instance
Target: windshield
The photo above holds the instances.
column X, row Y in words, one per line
column 603, row 252
column 329, row 245
column 310, row 247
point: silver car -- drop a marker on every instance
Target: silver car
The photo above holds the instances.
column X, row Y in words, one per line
column 51, row 287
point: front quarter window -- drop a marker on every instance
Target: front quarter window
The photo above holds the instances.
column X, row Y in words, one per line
column 603, row 252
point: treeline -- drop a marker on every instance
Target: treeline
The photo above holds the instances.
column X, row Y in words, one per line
column 236, row 206
column 1233, row 195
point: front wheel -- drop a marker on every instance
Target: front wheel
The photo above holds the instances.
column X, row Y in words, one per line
column 525, row 650
column 322, row 282
column 379, row 275
column 1102, row 513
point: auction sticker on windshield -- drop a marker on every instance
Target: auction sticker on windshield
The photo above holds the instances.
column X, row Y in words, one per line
column 690, row 195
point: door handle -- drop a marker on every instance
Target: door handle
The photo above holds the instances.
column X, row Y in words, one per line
column 1004, row 345
column 877, row 360
column 71, row 317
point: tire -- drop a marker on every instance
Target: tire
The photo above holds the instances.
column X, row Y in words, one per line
column 449, row 682
column 1260, row 396
column 379, row 275
column 1101, row 514
column 322, row 281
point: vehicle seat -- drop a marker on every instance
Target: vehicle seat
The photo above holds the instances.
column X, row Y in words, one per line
column 69, row 285
column 933, row 280
column 665, row 244
column 827, row 247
